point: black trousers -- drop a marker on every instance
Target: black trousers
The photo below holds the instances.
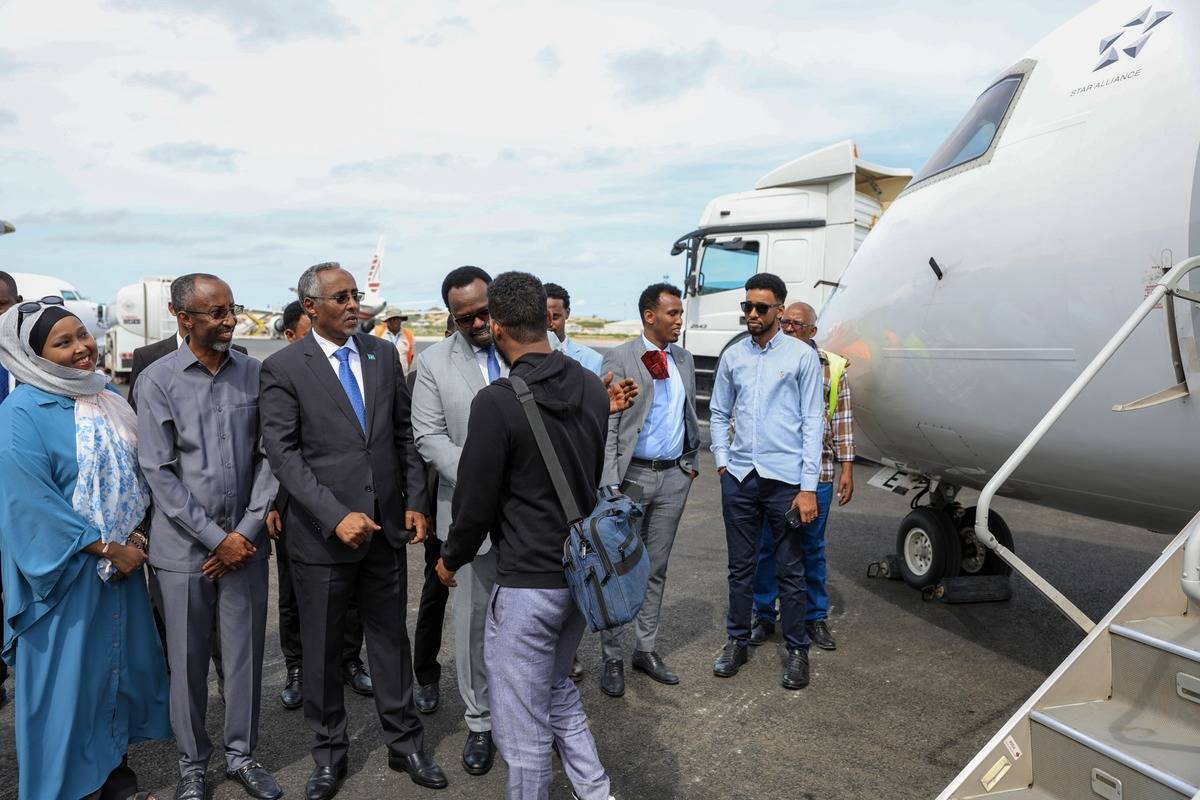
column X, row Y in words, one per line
column 324, row 592
column 289, row 618
column 427, row 638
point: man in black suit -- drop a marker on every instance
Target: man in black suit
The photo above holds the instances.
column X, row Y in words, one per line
column 335, row 418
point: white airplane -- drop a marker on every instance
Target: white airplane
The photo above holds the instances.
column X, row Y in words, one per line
column 1031, row 234
column 35, row 287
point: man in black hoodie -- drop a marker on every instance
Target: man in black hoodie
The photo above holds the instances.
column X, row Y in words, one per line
column 533, row 626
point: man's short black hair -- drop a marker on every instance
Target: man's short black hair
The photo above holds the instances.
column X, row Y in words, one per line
column 460, row 277
column 556, row 292
column 652, row 293
column 517, row 301
column 291, row 315
column 183, row 289
column 10, row 282
column 772, row 283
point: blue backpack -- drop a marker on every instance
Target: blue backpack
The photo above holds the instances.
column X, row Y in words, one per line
column 604, row 561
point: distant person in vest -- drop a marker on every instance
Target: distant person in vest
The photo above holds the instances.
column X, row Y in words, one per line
column 395, row 332
column 504, row 489
column 296, row 326
column 91, row 680
column 800, row 320
column 8, row 298
column 651, row 455
column 769, row 471
column 558, row 306
column 201, row 453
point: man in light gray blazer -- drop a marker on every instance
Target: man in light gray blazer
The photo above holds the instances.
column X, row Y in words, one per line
column 449, row 374
column 650, row 454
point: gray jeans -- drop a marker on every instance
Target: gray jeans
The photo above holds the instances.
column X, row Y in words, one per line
column 531, row 638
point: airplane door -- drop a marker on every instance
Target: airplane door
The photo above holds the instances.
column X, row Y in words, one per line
column 714, row 313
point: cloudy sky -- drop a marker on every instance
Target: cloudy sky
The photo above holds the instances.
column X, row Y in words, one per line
column 252, row 138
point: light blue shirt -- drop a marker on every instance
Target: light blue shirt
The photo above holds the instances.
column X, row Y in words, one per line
column 776, row 394
column 663, row 431
column 589, row 358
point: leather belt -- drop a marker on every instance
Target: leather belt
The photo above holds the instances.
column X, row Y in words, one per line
column 658, row 465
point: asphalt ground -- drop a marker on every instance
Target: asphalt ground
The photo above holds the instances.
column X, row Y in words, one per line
column 914, row 689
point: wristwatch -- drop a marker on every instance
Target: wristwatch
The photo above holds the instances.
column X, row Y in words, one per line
column 138, row 540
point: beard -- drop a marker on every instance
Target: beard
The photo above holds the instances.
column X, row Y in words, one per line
column 222, row 347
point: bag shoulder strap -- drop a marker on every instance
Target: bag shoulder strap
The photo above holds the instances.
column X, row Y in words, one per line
column 553, row 465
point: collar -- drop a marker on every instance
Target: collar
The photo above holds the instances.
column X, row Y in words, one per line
column 773, row 342
column 476, row 349
column 652, row 346
column 184, row 358
column 329, row 348
column 179, row 340
column 44, row 398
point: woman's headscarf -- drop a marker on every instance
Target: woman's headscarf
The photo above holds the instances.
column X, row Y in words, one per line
column 27, row 365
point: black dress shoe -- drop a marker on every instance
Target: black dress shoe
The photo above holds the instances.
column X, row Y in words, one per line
column 576, row 673
column 355, row 675
column 819, row 633
column 257, row 782
column 479, row 753
column 652, row 664
column 292, row 696
column 733, row 655
column 795, row 669
column 325, row 782
column 427, row 698
column 423, row 770
column 612, row 682
column 761, row 630
column 192, row 786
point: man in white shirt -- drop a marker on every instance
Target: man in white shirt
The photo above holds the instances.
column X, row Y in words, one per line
column 395, row 332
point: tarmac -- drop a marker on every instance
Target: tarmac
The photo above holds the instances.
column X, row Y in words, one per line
column 914, row 689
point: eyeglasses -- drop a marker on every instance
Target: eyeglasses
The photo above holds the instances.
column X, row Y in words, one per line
column 795, row 323
column 341, row 298
column 33, row 306
column 219, row 313
column 761, row 308
column 468, row 320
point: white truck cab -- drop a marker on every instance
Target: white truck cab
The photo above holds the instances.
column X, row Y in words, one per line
column 803, row 222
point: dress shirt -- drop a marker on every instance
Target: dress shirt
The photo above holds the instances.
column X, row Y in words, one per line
column 179, row 340
column 481, row 358
column 663, row 431
column 330, row 350
column 586, row 356
column 200, row 450
column 776, row 393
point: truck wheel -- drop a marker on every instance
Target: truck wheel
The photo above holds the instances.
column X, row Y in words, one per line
column 977, row 559
column 928, row 547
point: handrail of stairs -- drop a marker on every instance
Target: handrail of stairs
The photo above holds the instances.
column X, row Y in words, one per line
column 1167, row 286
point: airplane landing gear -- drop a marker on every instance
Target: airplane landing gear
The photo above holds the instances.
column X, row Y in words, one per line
column 929, row 547
column 977, row 559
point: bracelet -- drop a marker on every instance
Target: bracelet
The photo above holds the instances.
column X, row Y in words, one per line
column 138, row 539
column 104, row 550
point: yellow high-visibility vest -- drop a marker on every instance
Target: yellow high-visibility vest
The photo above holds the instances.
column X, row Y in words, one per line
column 837, row 368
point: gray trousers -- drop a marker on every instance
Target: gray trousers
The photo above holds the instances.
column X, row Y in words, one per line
column 470, row 601
column 532, row 635
column 190, row 604
column 664, row 495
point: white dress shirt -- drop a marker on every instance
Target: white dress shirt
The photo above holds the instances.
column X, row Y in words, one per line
column 481, row 358
column 179, row 340
column 330, row 350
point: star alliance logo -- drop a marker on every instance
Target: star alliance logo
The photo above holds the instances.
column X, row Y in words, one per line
column 1146, row 21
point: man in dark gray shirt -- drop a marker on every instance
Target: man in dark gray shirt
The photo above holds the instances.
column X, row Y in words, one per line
column 199, row 447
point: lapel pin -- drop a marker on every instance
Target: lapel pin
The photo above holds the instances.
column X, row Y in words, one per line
column 370, row 356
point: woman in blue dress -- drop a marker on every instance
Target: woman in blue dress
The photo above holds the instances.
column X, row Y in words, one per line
column 90, row 672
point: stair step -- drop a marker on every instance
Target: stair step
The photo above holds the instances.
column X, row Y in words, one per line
column 1157, row 747
column 1179, row 635
column 1154, row 673
column 1030, row 793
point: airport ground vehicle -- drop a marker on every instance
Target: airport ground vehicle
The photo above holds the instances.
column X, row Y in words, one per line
column 138, row 316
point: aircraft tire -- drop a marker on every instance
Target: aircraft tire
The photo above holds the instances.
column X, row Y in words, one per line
column 928, row 546
column 990, row 564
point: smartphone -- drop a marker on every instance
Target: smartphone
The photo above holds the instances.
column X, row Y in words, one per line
column 793, row 517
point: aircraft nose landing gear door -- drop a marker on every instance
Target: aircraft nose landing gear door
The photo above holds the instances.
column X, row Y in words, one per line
column 724, row 264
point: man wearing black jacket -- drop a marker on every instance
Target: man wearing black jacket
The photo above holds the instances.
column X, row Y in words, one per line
column 533, row 626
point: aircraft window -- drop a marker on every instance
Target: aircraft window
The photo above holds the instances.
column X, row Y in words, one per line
column 974, row 135
column 68, row 295
column 727, row 265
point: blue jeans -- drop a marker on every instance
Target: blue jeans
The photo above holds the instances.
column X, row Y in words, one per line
column 766, row 587
column 747, row 505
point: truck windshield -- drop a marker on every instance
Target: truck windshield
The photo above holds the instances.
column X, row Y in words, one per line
column 974, row 135
column 727, row 265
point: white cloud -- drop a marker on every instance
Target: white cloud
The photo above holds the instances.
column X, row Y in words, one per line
column 171, row 81
column 650, row 75
column 194, row 155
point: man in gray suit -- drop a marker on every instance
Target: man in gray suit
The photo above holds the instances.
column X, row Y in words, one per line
column 449, row 374
column 651, row 455
column 199, row 448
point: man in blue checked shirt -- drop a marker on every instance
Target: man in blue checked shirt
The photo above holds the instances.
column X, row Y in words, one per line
column 771, row 383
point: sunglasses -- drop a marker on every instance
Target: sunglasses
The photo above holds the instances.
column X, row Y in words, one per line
column 34, row 306
column 468, row 320
column 760, row 308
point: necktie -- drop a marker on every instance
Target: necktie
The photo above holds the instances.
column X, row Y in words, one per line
column 3, row 384
column 351, row 386
column 493, row 365
column 656, row 364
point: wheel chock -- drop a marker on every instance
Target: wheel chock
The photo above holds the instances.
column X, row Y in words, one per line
column 886, row 567
column 970, row 589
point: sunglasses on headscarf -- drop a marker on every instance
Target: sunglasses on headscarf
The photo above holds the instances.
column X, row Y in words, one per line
column 34, row 306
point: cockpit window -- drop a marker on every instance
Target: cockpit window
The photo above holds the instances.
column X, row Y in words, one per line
column 974, row 135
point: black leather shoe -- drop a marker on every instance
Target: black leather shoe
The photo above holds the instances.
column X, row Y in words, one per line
column 355, row 675
column 479, row 753
column 652, row 664
column 576, row 673
column 761, row 630
column 191, row 787
column 612, row 682
column 292, row 696
column 257, row 782
column 795, row 670
column 427, row 698
column 819, row 633
column 423, row 770
column 325, row 782
column 733, row 655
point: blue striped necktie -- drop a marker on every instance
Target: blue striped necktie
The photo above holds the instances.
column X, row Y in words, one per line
column 3, row 383
column 493, row 365
column 346, row 376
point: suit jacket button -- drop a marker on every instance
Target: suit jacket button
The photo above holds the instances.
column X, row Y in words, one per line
column 370, row 488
